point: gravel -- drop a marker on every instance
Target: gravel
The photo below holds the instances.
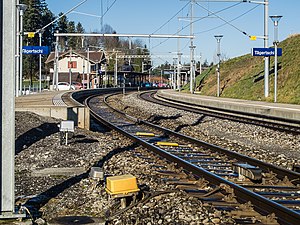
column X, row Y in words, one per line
column 54, row 195
column 279, row 148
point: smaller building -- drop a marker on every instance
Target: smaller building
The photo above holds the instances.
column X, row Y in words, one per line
column 77, row 66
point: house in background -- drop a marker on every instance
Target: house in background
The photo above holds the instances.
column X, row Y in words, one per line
column 75, row 65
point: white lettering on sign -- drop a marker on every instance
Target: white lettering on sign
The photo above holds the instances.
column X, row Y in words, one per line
column 270, row 53
column 33, row 51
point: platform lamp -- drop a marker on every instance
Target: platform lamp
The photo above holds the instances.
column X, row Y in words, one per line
column 218, row 38
column 275, row 20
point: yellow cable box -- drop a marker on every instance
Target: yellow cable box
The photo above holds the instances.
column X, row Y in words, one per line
column 123, row 184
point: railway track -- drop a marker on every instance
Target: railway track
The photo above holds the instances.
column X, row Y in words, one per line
column 276, row 123
column 269, row 188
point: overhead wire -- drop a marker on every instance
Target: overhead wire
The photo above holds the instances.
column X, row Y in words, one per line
column 89, row 14
column 229, row 7
column 164, row 24
column 171, row 18
column 108, row 8
column 229, row 21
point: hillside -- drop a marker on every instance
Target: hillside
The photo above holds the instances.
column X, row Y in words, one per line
column 243, row 77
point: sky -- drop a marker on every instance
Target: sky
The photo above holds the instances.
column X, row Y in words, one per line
column 230, row 19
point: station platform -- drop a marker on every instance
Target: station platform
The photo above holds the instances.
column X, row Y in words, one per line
column 287, row 111
column 49, row 98
column 54, row 104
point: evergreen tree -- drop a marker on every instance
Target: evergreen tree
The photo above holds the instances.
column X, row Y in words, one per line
column 36, row 17
column 79, row 29
column 62, row 27
column 71, row 40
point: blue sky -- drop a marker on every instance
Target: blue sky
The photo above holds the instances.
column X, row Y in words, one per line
column 147, row 16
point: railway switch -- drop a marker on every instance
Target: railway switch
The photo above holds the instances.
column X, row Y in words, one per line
column 247, row 170
column 66, row 128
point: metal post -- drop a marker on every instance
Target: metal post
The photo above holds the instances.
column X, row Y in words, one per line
column 200, row 58
column 174, row 75
column 83, row 72
column 129, row 40
column 40, row 63
column 97, row 75
column 101, row 15
column 124, row 77
column 266, row 45
column 21, row 49
column 275, row 78
column 218, row 38
column 276, row 20
column 88, row 67
column 179, row 71
column 116, row 70
column 106, row 77
column 7, row 111
column 55, row 75
column 218, row 79
column 70, row 69
column 17, row 50
column 192, row 47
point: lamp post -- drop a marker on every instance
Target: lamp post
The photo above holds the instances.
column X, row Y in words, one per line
column 266, row 45
column 276, row 20
column 40, row 61
column 174, row 74
column 179, row 71
column 218, row 38
column 22, row 8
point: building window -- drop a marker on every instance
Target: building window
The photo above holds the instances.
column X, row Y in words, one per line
column 72, row 64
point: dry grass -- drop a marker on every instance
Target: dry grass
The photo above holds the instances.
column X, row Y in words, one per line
column 243, row 77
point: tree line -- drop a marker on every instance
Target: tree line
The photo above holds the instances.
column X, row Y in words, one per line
column 39, row 15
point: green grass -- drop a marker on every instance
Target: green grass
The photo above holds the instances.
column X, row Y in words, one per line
column 243, row 77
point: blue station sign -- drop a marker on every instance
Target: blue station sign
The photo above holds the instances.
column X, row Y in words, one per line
column 36, row 50
column 266, row 52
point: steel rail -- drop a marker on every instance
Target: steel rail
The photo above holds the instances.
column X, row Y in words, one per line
column 281, row 124
column 294, row 177
column 262, row 204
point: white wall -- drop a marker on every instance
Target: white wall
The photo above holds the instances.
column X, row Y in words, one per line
column 63, row 65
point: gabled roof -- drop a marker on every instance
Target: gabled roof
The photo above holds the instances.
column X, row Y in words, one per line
column 94, row 57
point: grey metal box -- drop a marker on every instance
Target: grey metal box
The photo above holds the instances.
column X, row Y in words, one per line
column 66, row 126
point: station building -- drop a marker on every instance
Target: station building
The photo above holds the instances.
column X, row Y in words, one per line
column 83, row 67
column 78, row 66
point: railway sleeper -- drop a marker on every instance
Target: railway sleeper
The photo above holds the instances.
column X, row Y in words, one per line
column 247, row 211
